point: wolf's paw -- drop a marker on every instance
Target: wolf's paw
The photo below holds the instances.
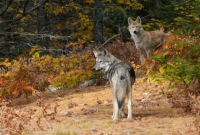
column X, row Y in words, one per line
column 122, row 115
column 129, row 117
column 115, row 118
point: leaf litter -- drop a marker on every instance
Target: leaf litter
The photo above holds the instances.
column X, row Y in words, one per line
column 89, row 111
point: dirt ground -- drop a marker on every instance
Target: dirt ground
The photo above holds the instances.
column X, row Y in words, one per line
column 88, row 111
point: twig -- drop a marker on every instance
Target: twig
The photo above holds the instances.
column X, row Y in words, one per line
column 49, row 126
column 4, row 9
column 109, row 40
column 24, row 13
column 44, row 49
column 30, row 34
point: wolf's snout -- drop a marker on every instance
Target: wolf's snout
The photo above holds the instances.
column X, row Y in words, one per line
column 93, row 68
column 135, row 32
column 96, row 68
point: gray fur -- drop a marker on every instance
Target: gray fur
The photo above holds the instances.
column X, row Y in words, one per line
column 146, row 41
column 121, row 77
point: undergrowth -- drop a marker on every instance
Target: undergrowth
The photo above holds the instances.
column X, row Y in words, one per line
column 39, row 73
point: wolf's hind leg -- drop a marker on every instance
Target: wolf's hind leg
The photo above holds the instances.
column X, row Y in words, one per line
column 129, row 103
column 121, row 112
column 115, row 109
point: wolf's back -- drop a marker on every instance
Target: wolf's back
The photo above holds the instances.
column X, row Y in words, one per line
column 121, row 69
column 154, row 38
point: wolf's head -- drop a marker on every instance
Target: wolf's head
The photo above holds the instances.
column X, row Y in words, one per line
column 135, row 27
column 103, row 60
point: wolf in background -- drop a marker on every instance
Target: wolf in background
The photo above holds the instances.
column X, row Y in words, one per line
column 146, row 41
column 121, row 77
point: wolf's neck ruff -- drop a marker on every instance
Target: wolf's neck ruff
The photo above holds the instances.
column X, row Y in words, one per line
column 138, row 39
column 115, row 61
column 110, row 70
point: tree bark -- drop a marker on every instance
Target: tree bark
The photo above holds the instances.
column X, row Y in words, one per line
column 98, row 22
column 42, row 23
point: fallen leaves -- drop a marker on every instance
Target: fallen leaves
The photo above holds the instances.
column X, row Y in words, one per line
column 72, row 105
column 13, row 121
column 93, row 110
column 99, row 102
column 90, row 117
column 138, row 118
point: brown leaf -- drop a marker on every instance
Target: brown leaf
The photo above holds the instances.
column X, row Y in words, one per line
column 82, row 109
column 99, row 102
column 152, row 33
column 69, row 113
column 138, row 118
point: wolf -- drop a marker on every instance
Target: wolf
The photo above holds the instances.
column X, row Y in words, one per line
column 146, row 41
column 121, row 77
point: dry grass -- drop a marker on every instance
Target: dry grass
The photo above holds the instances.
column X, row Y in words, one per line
column 88, row 111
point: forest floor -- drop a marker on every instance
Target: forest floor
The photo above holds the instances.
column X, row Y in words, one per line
column 88, row 111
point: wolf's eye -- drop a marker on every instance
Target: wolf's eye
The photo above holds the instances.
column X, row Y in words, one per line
column 100, row 61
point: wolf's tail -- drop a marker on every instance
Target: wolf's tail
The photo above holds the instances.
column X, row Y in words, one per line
column 121, row 91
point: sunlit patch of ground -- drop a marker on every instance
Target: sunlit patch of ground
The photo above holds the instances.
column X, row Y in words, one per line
column 88, row 111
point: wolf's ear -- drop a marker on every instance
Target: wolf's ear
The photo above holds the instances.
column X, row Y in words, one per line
column 95, row 53
column 130, row 21
column 104, row 52
column 138, row 20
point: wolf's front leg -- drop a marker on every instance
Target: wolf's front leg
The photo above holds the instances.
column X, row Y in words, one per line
column 149, row 53
column 142, row 58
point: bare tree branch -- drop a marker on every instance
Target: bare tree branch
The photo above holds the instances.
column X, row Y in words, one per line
column 40, row 35
column 25, row 13
column 4, row 9
column 109, row 40
column 25, row 6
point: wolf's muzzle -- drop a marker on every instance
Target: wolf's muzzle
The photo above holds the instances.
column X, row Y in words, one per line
column 94, row 69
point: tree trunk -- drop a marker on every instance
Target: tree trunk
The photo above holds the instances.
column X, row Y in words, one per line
column 98, row 22
column 42, row 23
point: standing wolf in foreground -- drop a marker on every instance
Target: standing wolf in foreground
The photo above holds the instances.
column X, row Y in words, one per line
column 145, row 41
column 121, row 77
